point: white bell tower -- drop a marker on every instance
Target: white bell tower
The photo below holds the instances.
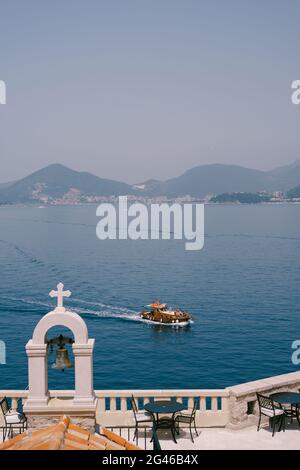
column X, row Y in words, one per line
column 36, row 349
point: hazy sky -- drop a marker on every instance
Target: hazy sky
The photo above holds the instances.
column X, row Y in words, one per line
column 136, row 89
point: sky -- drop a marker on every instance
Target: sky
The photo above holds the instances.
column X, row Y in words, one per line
column 139, row 89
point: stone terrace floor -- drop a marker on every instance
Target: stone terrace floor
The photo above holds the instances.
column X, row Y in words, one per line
column 223, row 439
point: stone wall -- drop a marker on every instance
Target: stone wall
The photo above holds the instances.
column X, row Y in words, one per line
column 36, row 422
column 243, row 407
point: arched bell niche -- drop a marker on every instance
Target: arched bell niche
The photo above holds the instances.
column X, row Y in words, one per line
column 59, row 377
column 82, row 348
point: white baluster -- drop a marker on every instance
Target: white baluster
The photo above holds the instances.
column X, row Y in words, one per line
column 14, row 403
column 214, row 404
column 123, row 404
column 190, row 402
column 202, row 403
column 113, row 404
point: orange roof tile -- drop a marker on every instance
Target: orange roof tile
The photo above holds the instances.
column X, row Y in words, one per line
column 113, row 437
column 67, row 436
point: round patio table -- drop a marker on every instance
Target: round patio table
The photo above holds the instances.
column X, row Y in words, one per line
column 164, row 407
column 289, row 398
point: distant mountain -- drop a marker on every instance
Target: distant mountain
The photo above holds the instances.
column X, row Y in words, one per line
column 216, row 179
column 57, row 181
column 295, row 192
column 289, row 175
column 219, row 179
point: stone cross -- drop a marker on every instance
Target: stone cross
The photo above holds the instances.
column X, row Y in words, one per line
column 60, row 294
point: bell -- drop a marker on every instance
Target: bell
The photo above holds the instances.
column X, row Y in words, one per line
column 62, row 360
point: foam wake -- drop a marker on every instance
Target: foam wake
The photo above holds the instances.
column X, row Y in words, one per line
column 84, row 308
column 102, row 310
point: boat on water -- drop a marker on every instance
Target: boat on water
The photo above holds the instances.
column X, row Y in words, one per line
column 161, row 314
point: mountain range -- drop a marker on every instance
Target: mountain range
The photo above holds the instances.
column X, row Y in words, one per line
column 57, row 182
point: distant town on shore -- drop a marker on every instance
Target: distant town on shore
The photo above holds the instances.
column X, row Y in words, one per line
column 57, row 184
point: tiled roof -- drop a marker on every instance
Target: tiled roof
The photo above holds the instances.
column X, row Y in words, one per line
column 67, row 436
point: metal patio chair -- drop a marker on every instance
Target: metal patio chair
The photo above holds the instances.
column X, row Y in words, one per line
column 11, row 420
column 293, row 411
column 274, row 411
column 141, row 417
column 189, row 418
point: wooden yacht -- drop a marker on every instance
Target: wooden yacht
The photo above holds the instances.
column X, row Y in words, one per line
column 163, row 315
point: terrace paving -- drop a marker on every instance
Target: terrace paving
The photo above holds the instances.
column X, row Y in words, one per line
column 225, row 439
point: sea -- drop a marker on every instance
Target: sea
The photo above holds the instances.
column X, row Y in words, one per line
column 242, row 289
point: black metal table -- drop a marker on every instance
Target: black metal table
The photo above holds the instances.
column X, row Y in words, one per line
column 164, row 407
column 289, row 398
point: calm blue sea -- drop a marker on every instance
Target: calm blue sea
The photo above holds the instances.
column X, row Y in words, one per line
column 242, row 289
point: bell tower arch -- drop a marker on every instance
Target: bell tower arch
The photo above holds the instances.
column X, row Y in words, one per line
column 36, row 350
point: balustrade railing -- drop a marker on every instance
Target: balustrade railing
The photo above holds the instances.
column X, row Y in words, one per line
column 233, row 406
column 114, row 407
